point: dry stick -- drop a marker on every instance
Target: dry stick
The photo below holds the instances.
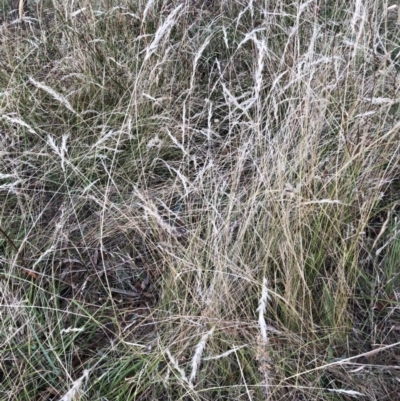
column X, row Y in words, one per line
column 21, row 8
column 11, row 242
column 18, row 5
column 344, row 361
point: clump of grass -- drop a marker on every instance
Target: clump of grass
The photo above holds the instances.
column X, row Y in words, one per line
column 159, row 160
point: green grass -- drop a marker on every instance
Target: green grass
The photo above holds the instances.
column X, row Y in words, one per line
column 199, row 201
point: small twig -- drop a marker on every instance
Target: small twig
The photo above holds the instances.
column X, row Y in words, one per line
column 9, row 240
column 345, row 361
column 19, row 255
column 128, row 293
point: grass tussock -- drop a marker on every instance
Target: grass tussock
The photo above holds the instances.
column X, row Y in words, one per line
column 199, row 200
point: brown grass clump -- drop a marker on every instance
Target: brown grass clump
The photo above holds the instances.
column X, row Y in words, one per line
column 199, row 200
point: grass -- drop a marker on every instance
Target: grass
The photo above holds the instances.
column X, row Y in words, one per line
column 199, row 201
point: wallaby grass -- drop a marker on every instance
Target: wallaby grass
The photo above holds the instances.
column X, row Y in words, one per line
column 199, row 201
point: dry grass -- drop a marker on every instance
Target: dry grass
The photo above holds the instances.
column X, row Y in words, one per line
column 199, row 201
